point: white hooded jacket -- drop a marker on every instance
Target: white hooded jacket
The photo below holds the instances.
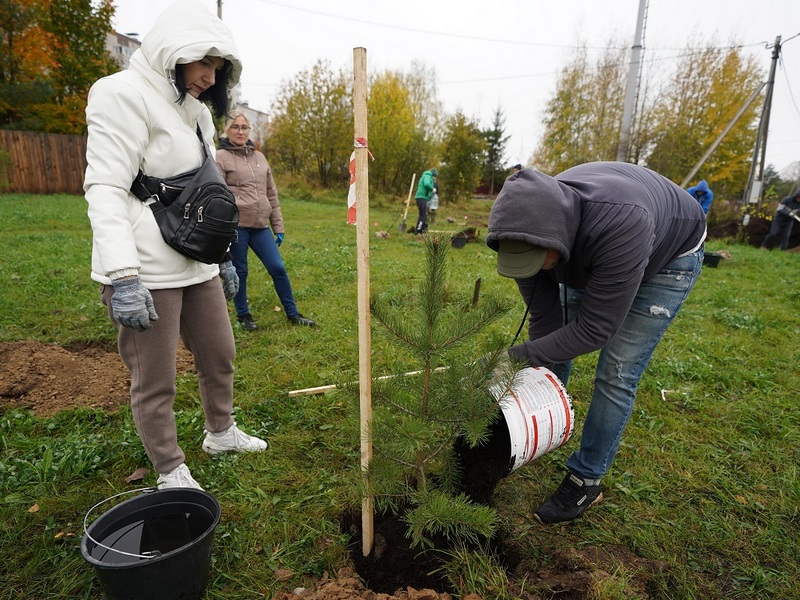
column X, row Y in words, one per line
column 134, row 122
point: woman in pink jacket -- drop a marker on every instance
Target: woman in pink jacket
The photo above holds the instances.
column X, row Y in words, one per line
column 249, row 177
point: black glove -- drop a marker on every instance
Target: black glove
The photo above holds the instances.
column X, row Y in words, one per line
column 132, row 304
column 230, row 280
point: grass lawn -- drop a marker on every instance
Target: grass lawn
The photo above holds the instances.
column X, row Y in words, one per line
column 705, row 484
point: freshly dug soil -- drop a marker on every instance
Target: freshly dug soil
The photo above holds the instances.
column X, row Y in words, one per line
column 47, row 378
column 392, row 564
column 484, row 466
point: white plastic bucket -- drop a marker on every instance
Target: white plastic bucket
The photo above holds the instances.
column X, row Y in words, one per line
column 538, row 412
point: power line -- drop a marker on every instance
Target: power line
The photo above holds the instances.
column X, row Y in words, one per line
column 788, row 84
column 424, row 31
column 478, row 38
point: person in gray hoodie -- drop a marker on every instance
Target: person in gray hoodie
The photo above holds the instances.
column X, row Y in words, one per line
column 604, row 255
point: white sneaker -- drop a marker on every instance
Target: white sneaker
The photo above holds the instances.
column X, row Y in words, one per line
column 233, row 440
column 179, row 477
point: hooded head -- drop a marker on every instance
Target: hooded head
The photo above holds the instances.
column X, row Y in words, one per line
column 702, row 187
column 532, row 213
column 187, row 32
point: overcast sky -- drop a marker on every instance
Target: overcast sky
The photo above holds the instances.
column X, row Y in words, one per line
column 490, row 53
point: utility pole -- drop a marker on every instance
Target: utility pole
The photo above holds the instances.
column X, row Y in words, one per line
column 755, row 181
column 633, row 83
column 219, row 9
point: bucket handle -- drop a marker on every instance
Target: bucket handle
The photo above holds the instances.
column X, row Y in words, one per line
column 149, row 554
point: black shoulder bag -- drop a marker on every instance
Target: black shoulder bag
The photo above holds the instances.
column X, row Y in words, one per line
column 195, row 211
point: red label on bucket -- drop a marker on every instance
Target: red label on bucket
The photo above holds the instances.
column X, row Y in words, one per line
column 539, row 414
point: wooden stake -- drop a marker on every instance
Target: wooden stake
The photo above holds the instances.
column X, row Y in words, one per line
column 476, row 292
column 362, row 253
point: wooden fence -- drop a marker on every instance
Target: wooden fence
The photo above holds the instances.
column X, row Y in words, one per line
column 44, row 163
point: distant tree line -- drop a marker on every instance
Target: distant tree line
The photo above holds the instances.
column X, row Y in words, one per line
column 677, row 118
column 53, row 50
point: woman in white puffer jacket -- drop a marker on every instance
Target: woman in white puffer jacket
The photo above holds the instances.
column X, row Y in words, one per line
column 146, row 118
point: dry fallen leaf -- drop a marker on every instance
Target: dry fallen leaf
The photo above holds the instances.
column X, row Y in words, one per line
column 34, row 508
column 137, row 475
column 283, row 574
column 742, row 500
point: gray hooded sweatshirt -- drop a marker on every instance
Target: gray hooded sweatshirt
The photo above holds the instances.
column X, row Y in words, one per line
column 614, row 224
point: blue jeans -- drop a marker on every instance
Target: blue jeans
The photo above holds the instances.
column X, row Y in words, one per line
column 263, row 244
column 623, row 360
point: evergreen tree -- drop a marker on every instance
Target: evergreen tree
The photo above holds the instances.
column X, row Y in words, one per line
column 417, row 419
column 494, row 170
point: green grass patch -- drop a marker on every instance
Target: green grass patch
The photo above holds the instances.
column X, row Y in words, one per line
column 706, row 480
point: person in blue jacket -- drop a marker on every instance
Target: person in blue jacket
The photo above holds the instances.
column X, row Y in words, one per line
column 425, row 189
column 703, row 194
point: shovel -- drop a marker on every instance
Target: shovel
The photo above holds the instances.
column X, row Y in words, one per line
column 402, row 226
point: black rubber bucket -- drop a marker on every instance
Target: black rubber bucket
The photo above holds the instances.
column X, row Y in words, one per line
column 155, row 546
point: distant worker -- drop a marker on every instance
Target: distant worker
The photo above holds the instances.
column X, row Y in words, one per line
column 703, row 194
column 425, row 189
column 433, row 205
column 788, row 210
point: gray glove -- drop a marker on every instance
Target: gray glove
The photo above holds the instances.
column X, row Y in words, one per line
column 132, row 304
column 230, row 280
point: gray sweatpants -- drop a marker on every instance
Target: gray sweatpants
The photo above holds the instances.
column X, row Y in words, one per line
column 198, row 315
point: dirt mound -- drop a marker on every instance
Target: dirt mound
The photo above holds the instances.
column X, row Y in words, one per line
column 47, row 378
column 347, row 585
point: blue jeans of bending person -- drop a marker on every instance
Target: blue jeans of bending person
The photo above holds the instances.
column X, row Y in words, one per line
column 262, row 241
column 623, row 360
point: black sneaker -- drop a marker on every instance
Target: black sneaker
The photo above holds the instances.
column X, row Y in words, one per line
column 569, row 501
column 247, row 322
column 299, row 319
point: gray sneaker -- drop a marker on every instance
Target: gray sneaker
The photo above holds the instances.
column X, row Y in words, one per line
column 570, row 500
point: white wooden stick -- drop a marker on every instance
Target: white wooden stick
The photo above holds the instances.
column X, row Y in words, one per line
column 321, row 389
